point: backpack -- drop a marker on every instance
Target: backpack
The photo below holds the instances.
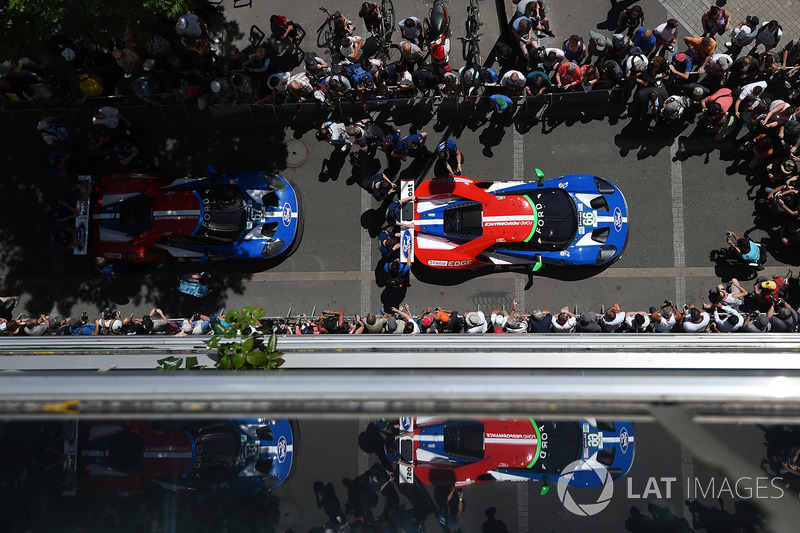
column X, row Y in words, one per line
column 359, row 76
column 425, row 78
column 396, row 280
column 90, row 85
column 674, row 106
column 337, row 69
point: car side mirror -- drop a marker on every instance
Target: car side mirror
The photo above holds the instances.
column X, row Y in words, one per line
column 539, row 263
column 540, row 177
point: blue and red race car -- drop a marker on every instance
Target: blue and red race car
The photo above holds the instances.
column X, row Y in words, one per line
column 465, row 223
column 461, row 452
column 139, row 217
column 244, row 456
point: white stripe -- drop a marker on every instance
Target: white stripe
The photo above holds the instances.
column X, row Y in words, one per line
column 429, row 438
column 104, row 216
column 509, row 218
column 509, row 441
column 676, row 177
column 433, row 243
column 610, row 219
column 278, row 214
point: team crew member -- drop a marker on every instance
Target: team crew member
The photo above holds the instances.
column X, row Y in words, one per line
column 448, row 152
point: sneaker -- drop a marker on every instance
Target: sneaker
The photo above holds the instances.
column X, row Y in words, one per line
column 670, row 48
column 550, row 33
column 728, row 44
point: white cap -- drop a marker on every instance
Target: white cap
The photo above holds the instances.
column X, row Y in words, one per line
column 181, row 24
column 216, row 86
column 148, row 64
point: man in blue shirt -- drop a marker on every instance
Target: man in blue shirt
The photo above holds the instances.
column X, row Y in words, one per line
column 645, row 40
column 411, row 145
column 448, row 152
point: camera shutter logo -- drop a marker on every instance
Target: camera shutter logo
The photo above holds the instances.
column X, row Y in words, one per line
column 585, row 509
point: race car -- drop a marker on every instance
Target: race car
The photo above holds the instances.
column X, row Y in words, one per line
column 457, row 453
column 139, row 217
column 244, row 456
column 464, row 223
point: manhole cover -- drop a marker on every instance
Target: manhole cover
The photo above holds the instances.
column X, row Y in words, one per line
column 296, row 153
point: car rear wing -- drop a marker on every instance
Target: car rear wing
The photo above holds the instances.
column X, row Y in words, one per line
column 83, row 205
column 405, row 448
column 407, row 217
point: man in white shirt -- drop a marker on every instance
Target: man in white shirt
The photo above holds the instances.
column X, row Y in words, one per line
column 611, row 320
column 665, row 318
column 564, row 322
column 695, row 320
column 109, row 117
column 730, row 323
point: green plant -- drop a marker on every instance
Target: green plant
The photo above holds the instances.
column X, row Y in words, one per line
column 242, row 345
column 174, row 363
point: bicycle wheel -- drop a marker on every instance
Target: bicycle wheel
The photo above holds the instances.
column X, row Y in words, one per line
column 475, row 53
column 387, row 10
column 324, row 36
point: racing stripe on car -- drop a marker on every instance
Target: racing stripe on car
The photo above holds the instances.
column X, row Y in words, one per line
column 535, row 219
column 538, row 443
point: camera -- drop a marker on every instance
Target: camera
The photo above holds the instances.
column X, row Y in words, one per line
column 85, row 317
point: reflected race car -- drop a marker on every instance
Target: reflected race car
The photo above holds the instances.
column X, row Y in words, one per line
column 457, row 453
column 138, row 217
column 244, row 456
column 464, row 223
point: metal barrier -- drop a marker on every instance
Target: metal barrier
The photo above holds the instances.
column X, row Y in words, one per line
column 738, row 353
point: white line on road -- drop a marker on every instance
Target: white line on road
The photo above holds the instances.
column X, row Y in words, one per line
column 366, row 259
column 678, row 233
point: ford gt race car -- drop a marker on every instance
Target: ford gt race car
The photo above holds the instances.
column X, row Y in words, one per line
column 138, row 217
column 244, row 456
column 458, row 453
column 464, row 223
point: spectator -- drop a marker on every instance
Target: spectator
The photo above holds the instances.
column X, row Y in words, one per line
column 284, row 30
column 715, row 21
column 410, row 324
column 331, row 322
column 574, row 49
column 702, row 48
column 568, row 76
column 537, row 83
column 743, row 34
column 732, row 322
column 637, row 321
column 588, row 323
column 536, row 11
column 785, row 319
column 475, row 322
column 513, row 82
column 551, row 58
column 501, row 104
column 630, row 19
column 612, row 319
column 756, row 322
column 749, row 98
column 564, row 322
column 666, row 35
column 342, row 26
column 335, row 134
column 522, row 30
column 665, row 318
column 411, row 53
column 350, row 48
column 598, row 46
column 644, row 40
column 695, row 320
column 540, row 321
column 234, row 60
column 498, row 320
column 769, row 34
column 374, row 323
column 109, row 117
column 412, row 31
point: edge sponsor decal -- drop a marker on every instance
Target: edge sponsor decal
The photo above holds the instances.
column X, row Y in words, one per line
column 623, row 440
column 437, row 263
column 282, row 449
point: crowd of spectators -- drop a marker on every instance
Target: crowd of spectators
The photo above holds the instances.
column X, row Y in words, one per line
column 730, row 308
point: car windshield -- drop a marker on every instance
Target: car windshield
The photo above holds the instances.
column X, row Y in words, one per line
column 464, row 440
column 224, row 214
column 557, row 221
column 136, row 215
column 464, row 220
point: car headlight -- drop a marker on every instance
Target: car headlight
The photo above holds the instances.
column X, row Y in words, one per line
column 606, row 252
column 275, row 183
column 272, row 247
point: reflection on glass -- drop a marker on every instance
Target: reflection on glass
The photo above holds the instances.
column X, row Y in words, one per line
column 395, row 475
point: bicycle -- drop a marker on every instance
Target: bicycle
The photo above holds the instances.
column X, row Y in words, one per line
column 325, row 34
column 471, row 51
column 384, row 37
